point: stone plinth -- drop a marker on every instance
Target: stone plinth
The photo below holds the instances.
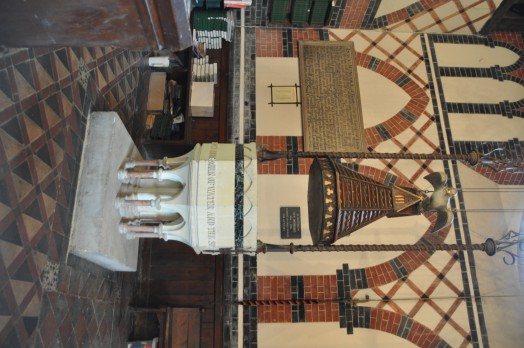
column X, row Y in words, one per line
column 94, row 232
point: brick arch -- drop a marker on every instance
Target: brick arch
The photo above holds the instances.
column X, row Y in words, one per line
column 509, row 46
column 514, row 72
column 515, row 43
column 409, row 12
column 401, row 266
column 406, row 116
column 397, row 123
column 517, row 107
column 398, row 325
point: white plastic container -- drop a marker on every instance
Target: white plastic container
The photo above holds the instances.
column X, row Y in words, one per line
column 159, row 62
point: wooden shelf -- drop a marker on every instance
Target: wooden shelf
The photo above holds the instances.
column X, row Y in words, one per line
column 196, row 129
column 208, row 129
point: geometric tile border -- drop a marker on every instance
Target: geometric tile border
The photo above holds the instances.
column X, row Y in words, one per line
column 45, row 96
column 50, row 276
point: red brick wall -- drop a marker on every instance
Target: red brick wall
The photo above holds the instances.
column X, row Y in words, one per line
column 269, row 42
column 273, row 143
column 354, row 14
column 274, row 288
column 321, row 288
column 397, row 16
column 278, row 143
column 318, row 287
column 303, row 35
column 501, row 178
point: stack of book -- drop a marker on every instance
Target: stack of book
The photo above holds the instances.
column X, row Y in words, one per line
column 167, row 124
column 161, row 128
column 203, row 71
column 210, row 27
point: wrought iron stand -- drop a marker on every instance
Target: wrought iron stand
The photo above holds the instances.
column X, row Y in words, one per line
column 495, row 159
column 490, row 247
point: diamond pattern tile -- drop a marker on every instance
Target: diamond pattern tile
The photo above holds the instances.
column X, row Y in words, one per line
column 47, row 298
column 440, row 305
column 397, row 57
column 464, row 17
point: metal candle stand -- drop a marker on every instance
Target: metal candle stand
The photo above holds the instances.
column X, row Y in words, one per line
column 495, row 159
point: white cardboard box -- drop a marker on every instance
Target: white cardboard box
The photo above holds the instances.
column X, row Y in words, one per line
column 157, row 90
column 202, row 99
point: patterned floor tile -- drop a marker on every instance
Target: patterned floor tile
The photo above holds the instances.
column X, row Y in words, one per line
column 47, row 298
column 50, row 276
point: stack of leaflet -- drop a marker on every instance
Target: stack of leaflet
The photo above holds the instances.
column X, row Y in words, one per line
column 210, row 27
column 207, row 3
column 237, row 3
column 203, row 71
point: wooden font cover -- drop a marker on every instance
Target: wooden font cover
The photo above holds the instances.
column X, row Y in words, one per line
column 331, row 108
column 341, row 201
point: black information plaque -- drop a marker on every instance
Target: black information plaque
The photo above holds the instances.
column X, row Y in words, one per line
column 290, row 223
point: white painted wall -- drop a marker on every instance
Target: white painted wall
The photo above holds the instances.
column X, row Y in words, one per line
column 503, row 315
column 315, row 335
column 380, row 97
column 281, row 191
column 477, row 127
column 502, row 296
column 473, row 56
column 480, row 90
column 280, row 119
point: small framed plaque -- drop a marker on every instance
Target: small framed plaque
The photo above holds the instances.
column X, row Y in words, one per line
column 290, row 223
column 285, row 94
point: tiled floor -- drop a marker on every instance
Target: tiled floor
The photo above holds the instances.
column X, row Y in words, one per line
column 46, row 298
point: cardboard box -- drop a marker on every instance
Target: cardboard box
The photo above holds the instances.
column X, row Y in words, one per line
column 157, row 90
column 202, row 99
